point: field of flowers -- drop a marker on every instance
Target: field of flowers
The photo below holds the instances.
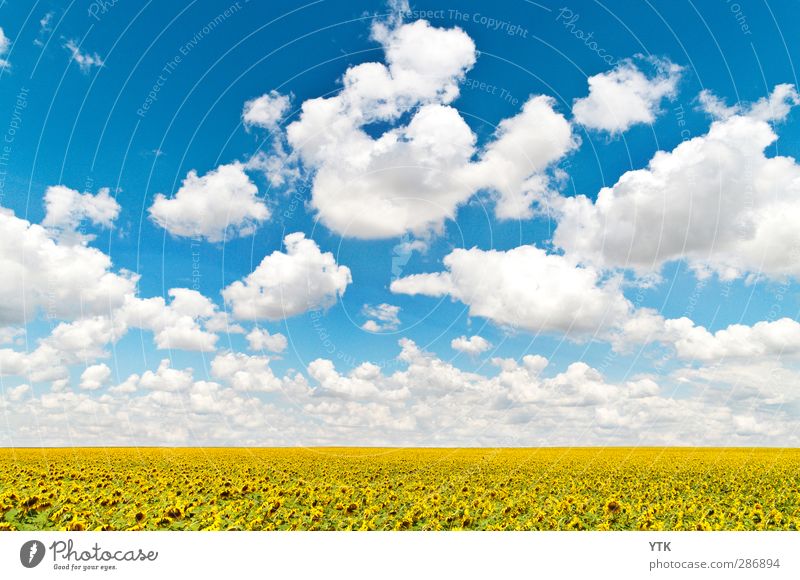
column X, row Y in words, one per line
column 400, row 489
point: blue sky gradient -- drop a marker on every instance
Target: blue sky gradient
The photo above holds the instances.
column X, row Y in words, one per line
column 90, row 127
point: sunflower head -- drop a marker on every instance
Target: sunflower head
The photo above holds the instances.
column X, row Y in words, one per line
column 613, row 507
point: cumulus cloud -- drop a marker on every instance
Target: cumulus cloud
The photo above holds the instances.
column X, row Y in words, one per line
column 85, row 339
column 244, row 372
column 266, row 111
column 221, row 203
column 522, row 403
column 18, row 392
column 359, row 383
column 626, row 96
column 85, row 60
column 220, row 321
column 176, row 325
column 716, row 201
column 129, row 385
column 749, row 383
column 383, row 317
column 416, row 173
column 774, row 107
column 181, row 324
column 52, row 271
column 762, row 341
column 422, row 401
column 67, row 208
column 260, row 339
column 41, row 364
column 94, row 377
column 289, row 283
column 579, row 385
column 279, row 167
column 525, row 288
column 409, row 179
column 716, row 107
column 767, row 340
column 473, row 346
column 166, row 378
column 66, row 280
column 514, row 163
column 69, row 343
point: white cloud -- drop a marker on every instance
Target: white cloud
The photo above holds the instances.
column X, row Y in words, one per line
column 221, row 321
column 625, row 96
column 423, row 401
column 764, row 340
column 260, row 339
column 752, row 383
column 67, row 208
column 85, row 60
column 279, row 167
column 176, row 325
column 344, row 415
column 5, row 43
column 53, row 272
column 580, row 385
column 775, row 107
column 72, row 343
column 166, row 378
column 286, row 284
column 266, row 111
column 420, row 170
column 185, row 334
column 10, row 334
column 220, row 203
column 129, row 385
column 44, row 28
column 18, row 392
column 525, row 288
column 428, row 375
column 408, row 178
column 383, row 317
column 425, row 65
column 472, row 346
column 716, row 201
column 245, row 373
column 645, row 325
column 41, row 364
column 205, row 397
column 767, row 340
column 42, row 274
column 360, row 383
column 85, row 340
column 514, row 163
column 191, row 303
column 94, row 377
column 715, row 107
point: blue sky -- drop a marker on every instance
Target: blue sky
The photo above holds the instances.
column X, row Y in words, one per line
column 461, row 201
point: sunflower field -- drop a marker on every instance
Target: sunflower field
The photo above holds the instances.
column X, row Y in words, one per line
column 399, row 489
